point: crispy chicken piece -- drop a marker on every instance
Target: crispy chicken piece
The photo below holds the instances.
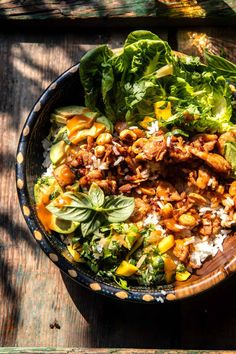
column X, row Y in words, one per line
column 167, row 192
column 178, row 150
column 109, row 186
column 155, row 148
column 215, row 161
column 64, row 175
column 209, row 226
column 127, row 188
column 90, row 177
column 150, row 149
column 181, row 251
column 203, row 178
column 84, row 157
column 140, row 210
column 204, row 142
column 228, row 136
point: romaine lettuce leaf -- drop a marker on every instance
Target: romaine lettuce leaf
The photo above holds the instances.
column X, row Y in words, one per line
column 127, row 83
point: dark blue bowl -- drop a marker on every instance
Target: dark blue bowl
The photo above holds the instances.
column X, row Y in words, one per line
column 67, row 90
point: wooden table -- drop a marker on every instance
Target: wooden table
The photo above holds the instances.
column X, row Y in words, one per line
column 41, row 307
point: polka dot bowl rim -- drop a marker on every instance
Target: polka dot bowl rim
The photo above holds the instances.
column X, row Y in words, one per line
column 162, row 294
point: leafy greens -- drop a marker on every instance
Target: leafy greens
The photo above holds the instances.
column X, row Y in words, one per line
column 128, row 82
column 91, row 209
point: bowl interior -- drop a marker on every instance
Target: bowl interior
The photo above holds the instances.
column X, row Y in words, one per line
column 68, row 91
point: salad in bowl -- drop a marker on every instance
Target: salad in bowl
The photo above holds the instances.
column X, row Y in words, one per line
column 139, row 182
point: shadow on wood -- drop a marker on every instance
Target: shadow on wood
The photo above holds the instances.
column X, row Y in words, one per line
column 174, row 325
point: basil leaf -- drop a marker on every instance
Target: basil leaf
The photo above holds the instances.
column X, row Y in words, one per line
column 76, row 206
column 118, row 208
column 79, row 200
column 70, row 213
column 221, row 65
column 96, row 194
column 91, row 225
column 177, row 132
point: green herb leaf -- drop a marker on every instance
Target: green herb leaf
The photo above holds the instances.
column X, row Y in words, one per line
column 118, row 208
column 177, row 132
column 77, row 207
column 88, row 227
column 221, row 65
column 230, row 154
column 96, row 194
column 70, row 213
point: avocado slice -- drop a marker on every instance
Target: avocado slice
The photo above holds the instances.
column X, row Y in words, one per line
column 70, row 111
column 108, row 124
column 57, row 118
column 58, row 151
column 63, row 226
column 46, row 186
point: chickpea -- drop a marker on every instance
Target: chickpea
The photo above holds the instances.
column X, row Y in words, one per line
column 203, row 179
column 147, row 191
column 187, row 220
column 128, row 135
column 220, row 189
column 197, row 198
column 99, row 151
column 227, row 201
column 104, row 138
column 167, row 211
column 232, row 189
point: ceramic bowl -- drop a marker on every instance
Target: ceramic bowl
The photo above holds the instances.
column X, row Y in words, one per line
column 67, row 90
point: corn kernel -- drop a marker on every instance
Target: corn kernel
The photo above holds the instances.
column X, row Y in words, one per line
column 232, row 189
column 169, row 264
column 75, row 254
column 126, row 269
column 162, row 109
column 182, row 276
column 166, row 243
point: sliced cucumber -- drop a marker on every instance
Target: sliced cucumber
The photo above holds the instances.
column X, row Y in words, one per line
column 58, row 151
column 63, row 226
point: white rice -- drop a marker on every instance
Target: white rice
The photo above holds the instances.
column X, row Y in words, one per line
column 48, row 172
column 46, row 154
column 116, row 151
column 160, row 204
column 133, row 127
column 153, row 128
column 97, row 164
column 168, row 141
column 204, row 248
column 121, row 158
column 151, row 219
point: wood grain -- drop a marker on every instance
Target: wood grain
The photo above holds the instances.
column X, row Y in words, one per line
column 34, row 294
column 101, row 351
column 50, row 9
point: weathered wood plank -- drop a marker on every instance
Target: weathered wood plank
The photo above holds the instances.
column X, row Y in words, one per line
column 76, row 9
column 102, row 351
column 82, row 9
column 221, row 42
column 33, row 293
